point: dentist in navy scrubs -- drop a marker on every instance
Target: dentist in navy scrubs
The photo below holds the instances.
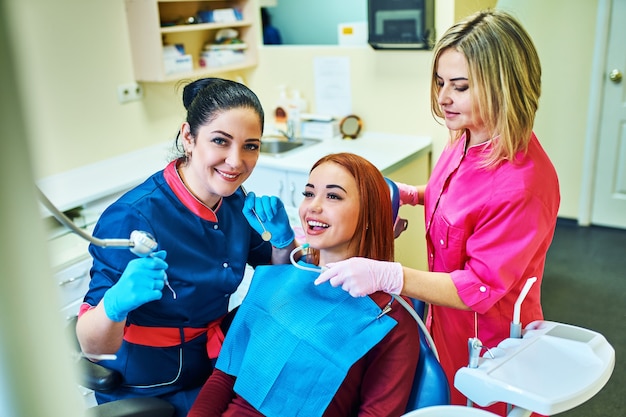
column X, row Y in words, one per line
column 161, row 314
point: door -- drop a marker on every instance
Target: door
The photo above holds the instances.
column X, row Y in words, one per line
column 609, row 195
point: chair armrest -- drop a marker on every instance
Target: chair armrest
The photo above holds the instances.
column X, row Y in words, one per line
column 97, row 377
column 133, row 407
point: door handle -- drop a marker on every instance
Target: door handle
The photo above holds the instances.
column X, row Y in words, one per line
column 292, row 190
column 280, row 189
column 615, row 76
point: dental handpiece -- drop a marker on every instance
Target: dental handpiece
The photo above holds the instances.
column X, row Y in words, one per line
column 145, row 245
column 266, row 236
column 140, row 243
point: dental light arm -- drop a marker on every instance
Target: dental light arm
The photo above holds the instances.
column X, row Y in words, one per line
column 140, row 243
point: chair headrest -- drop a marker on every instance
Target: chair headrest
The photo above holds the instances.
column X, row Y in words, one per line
column 395, row 198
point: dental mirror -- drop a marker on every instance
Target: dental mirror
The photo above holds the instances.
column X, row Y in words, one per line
column 350, row 126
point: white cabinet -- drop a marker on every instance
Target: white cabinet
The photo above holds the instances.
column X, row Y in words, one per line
column 287, row 185
column 72, row 283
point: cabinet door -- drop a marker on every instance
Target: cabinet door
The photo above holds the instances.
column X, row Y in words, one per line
column 266, row 181
column 73, row 283
column 295, row 182
column 286, row 185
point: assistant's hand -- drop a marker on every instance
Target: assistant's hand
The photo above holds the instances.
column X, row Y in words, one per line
column 362, row 276
column 141, row 282
column 409, row 194
column 272, row 213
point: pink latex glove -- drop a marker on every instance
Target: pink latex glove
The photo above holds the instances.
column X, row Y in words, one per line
column 408, row 194
column 363, row 276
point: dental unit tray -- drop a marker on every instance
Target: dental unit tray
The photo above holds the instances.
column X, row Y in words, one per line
column 554, row 367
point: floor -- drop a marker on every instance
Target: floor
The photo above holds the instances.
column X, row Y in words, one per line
column 585, row 285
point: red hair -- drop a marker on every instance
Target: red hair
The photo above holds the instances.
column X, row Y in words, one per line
column 374, row 232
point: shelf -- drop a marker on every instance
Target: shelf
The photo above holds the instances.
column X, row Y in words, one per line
column 148, row 38
column 205, row 26
column 203, row 72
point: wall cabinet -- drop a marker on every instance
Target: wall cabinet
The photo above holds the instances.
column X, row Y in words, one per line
column 156, row 26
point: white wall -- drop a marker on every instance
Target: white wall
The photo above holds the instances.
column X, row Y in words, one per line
column 563, row 32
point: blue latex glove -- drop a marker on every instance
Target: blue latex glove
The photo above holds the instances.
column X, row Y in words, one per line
column 141, row 282
column 271, row 212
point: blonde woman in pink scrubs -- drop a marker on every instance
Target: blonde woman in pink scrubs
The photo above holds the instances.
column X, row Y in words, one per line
column 491, row 203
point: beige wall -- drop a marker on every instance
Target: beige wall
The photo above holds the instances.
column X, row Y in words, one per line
column 563, row 31
column 466, row 7
column 72, row 55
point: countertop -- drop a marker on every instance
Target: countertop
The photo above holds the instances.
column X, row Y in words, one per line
column 90, row 183
column 386, row 151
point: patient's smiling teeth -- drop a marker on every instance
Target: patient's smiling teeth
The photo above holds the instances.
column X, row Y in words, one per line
column 314, row 223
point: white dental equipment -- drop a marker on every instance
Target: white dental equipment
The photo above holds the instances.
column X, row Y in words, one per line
column 552, row 368
column 266, row 235
column 140, row 243
column 304, row 268
column 547, row 369
column 516, row 325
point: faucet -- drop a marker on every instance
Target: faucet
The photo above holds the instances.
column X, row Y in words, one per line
column 290, row 132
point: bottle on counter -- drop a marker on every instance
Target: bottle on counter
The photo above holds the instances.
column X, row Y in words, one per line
column 297, row 106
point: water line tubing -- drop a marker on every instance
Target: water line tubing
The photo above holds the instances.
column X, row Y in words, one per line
column 65, row 221
column 399, row 299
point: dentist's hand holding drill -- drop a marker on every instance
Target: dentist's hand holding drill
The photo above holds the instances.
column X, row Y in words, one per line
column 142, row 281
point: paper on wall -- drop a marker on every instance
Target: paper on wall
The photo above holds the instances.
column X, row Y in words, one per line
column 332, row 86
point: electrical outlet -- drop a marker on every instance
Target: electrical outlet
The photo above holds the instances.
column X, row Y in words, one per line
column 129, row 92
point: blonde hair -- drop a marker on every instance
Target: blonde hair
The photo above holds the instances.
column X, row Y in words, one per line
column 504, row 78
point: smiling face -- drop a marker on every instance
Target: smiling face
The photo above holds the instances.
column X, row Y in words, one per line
column 454, row 96
column 223, row 154
column 329, row 212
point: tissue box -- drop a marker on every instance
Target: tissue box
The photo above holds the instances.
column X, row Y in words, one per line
column 175, row 64
column 317, row 129
column 221, row 57
column 175, row 60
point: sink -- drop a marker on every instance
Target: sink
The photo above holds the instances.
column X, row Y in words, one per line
column 279, row 145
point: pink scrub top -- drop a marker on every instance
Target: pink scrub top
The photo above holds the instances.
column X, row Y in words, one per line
column 490, row 228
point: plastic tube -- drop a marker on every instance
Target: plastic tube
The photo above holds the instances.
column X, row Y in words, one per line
column 516, row 325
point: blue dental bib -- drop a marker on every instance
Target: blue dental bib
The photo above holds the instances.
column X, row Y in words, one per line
column 292, row 343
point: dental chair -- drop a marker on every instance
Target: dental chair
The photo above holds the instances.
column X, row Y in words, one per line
column 99, row 378
column 430, row 385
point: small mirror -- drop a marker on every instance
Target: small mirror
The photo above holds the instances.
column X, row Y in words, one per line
column 350, row 126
